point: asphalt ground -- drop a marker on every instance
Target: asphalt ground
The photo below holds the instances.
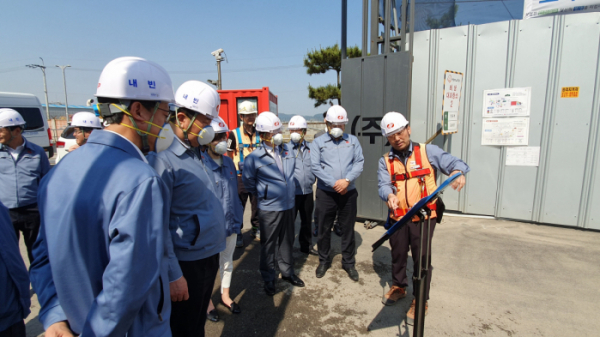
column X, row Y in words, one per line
column 490, row 278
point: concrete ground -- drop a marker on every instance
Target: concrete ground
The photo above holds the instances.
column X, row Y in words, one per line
column 491, row 277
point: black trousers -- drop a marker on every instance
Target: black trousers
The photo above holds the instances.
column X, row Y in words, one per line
column 26, row 220
column 276, row 243
column 304, row 206
column 328, row 204
column 188, row 317
column 410, row 235
column 244, row 195
column 15, row 330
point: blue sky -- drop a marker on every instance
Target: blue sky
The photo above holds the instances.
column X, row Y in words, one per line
column 264, row 41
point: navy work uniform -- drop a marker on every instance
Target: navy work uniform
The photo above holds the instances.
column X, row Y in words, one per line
column 14, row 281
column 100, row 260
column 304, row 180
column 197, row 228
column 21, row 171
column 332, row 160
column 273, row 184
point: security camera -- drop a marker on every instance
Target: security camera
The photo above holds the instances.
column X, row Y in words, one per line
column 217, row 52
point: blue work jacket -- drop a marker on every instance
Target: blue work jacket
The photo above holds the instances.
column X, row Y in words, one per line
column 100, row 259
column 196, row 220
column 332, row 160
column 261, row 177
column 19, row 179
column 303, row 176
column 440, row 160
column 14, row 280
column 226, row 187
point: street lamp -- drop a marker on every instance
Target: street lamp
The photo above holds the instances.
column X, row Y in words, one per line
column 217, row 54
column 65, row 85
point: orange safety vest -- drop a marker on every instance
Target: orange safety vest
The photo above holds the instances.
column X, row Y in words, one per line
column 413, row 182
column 246, row 145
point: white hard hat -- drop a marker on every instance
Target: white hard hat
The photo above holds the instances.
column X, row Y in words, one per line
column 247, row 108
column 219, row 125
column 392, row 122
column 134, row 78
column 336, row 114
column 86, row 119
column 267, row 122
column 297, row 122
column 10, row 117
column 199, row 97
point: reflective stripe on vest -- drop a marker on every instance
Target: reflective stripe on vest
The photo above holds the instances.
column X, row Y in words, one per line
column 242, row 146
column 412, row 183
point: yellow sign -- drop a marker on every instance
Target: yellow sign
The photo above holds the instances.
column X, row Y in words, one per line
column 569, row 92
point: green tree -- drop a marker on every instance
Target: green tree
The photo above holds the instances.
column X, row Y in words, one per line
column 321, row 61
column 447, row 20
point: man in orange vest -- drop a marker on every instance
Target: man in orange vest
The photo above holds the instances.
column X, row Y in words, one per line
column 406, row 174
column 242, row 141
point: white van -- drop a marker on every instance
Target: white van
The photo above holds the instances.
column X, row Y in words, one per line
column 36, row 127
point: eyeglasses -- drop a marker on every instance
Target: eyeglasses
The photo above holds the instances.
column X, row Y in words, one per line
column 169, row 112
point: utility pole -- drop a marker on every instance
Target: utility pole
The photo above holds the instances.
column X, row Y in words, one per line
column 217, row 54
column 43, row 68
column 65, row 85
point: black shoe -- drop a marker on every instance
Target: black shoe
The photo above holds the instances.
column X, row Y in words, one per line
column 352, row 273
column 234, row 308
column 239, row 242
column 270, row 288
column 213, row 315
column 294, row 280
column 309, row 251
column 322, row 269
column 337, row 230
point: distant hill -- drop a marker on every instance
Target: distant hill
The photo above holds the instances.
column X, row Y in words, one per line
column 286, row 117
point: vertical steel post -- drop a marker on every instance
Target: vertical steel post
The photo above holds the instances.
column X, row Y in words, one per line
column 65, row 86
column 374, row 27
column 404, row 25
column 412, row 58
column 344, row 27
column 387, row 12
column 365, row 30
column 219, row 69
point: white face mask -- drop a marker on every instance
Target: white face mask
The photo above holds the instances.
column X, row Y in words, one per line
column 278, row 139
column 295, row 137
column 206, row 135
column 221, row 148
column 336, row 132
column 164, row 139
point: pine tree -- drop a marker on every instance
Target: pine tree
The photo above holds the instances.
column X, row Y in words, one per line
column 321, row 61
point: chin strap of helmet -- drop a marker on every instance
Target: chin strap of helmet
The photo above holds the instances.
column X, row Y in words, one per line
column 143, row 134
column 186, row 130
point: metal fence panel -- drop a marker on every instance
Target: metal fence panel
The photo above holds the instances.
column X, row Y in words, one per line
column 452, row 55
column 371, row 107
column 570, row 127
column 420, row 87
column 533, row 42
column 489, row 71
column 545, row 54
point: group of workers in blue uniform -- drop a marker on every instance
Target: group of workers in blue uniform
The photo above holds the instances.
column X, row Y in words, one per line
column 131, row 229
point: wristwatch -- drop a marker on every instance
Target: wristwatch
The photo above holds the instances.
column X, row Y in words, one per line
column 348, row 180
